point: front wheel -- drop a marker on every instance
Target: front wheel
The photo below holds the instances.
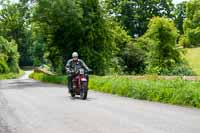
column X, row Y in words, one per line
column 84, row 91
column 72, row 94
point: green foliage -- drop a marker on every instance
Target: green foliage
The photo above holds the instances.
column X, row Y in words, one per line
column 60, row 27
column 180, row 15
column 121, row 38
column 184, row 41
column 174, row 91
column 191, row 24
column 11, row 75
column 177, row 91
column 49, row 78
column 14, row 23
column 134, row 15
column 9, row 58
column 181, row 69
column 134, row 58
column 81, row 26
column 38, row 52
column 3, row 67
column 160, row 39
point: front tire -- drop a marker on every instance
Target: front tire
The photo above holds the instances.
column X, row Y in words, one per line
column 84, row 91
column 72, row 94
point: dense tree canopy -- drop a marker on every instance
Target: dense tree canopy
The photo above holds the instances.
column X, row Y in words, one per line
column 80, row 26
column 134, row 15
column 192, row 22
column 14, row 23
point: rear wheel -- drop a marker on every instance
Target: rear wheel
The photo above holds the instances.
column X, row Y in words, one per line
column 84, row 91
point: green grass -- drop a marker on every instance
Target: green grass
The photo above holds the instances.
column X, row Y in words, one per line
column 49, row 78
column 179, row 92
column 193, row 58
column 11, row 75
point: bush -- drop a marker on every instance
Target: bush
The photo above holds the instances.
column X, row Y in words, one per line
column 177, row 70
column 194, row 36
column 181, row 70
column 3, row 67
column 11, row 75
column 9, row 56
column 183, row 41
column 133, row 59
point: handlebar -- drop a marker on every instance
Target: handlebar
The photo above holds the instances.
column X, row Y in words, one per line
column 73, row 72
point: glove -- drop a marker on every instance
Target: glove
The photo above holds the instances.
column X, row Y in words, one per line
column 89, row 70
column 68, row 71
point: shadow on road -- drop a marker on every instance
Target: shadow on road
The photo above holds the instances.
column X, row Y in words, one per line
column 78, row 98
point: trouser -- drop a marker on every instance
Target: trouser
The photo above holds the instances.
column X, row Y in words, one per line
column 70, row 77
column 70, row 83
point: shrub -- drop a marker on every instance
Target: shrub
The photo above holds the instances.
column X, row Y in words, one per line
column 179, row 70
column 11, row 75
column 183, row 41
column 134, row 58
column 9, row 55
column 3, row 67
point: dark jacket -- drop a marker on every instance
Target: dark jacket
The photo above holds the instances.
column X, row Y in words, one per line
column 75, row 65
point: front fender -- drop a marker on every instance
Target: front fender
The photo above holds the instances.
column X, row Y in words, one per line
column 83, row 79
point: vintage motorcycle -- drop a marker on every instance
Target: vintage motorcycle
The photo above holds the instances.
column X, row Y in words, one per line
column 80, row 84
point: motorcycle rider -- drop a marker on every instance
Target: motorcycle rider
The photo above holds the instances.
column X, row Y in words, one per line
column 72, row 66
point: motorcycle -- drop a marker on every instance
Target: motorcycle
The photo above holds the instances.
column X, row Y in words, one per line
column 80, row 84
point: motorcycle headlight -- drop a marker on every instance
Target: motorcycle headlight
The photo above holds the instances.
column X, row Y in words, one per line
column 81, row 71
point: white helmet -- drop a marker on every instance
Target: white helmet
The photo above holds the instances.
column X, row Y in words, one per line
column 74, row 54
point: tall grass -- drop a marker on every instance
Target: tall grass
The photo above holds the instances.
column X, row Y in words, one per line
column 49, row 78
column 177, row 91
column 11, row 75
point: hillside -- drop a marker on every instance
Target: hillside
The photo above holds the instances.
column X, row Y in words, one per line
column 193, row 58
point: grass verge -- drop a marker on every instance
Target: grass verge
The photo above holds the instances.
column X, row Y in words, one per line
column 11, row 75
column 49, row 78
column 179, row 92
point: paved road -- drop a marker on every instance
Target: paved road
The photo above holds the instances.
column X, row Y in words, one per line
column 28, row 106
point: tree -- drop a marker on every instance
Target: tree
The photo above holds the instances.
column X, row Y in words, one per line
column 191, row 24
column 162, row 50
column 59, row 23
column 134, row 15
column 78, row 25
column 180, row 15
column 14, row 23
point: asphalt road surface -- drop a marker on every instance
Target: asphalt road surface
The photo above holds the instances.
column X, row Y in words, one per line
column 28, row 106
